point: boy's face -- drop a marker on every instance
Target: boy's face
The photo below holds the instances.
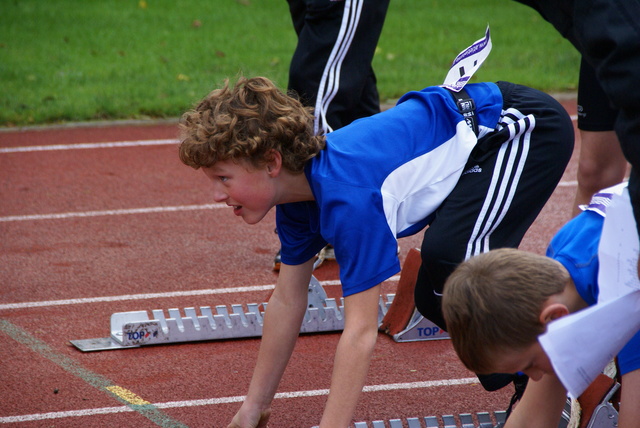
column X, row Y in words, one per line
column 249, row 191
column 531, row 360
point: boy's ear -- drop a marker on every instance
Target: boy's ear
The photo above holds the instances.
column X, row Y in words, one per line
column 274, row 165
column 553, row 311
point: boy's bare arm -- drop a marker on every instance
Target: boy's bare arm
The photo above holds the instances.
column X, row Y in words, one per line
column 352, row 357
column 541, row 405
column 629, row 400
column 282, row 321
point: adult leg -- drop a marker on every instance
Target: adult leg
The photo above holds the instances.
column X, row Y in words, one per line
column 608, row 34
column 601, row 163
column 297, row 11
column 331, row 66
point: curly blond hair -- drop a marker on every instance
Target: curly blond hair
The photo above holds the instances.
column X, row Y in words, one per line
column 247, row 122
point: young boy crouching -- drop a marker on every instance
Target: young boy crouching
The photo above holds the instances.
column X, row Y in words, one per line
column 496, row 305
column 477, row 181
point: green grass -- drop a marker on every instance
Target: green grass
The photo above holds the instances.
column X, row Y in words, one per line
column 80, row 60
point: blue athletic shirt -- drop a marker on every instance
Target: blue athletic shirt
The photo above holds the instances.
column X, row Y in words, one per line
column 576, row 247
column 382, row 178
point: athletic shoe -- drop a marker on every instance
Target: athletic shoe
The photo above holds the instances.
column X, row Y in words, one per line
column 328, row 253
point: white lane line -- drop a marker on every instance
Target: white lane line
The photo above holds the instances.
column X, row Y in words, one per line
column 107, row 145
column 67, row 414
column 61, row 216
column 146, row 296
column 234, row 399
column 126, row 297
column 111, row 212
column 115, row 144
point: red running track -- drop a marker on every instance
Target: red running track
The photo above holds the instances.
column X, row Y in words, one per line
column 63, row 276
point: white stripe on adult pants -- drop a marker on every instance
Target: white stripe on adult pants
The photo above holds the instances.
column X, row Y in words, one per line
column 330, row 83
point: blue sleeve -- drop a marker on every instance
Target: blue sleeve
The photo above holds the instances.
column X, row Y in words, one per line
column 299, row 232
column 576, row 247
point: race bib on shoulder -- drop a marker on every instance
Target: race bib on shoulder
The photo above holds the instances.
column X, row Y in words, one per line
column 467, row 62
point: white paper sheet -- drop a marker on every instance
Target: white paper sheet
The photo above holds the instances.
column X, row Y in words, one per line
column 582, row 344
column 618, row 251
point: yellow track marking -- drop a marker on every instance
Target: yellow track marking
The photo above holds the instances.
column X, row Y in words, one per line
column 127, row 395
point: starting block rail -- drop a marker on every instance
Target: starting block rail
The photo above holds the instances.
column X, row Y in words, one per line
column 137, row 328
column 464, row 420
column 605, row 416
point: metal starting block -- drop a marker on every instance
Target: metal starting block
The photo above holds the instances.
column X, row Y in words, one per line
column 605, row 415
column 418, row 329
column 135, row 329
column 448, row 421
column 605, row 419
